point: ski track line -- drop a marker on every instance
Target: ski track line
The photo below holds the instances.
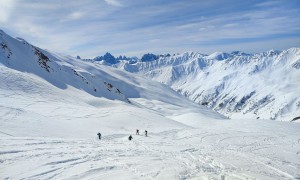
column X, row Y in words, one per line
column 62, row 161
column 6, row 133
column 44, row 173
column 276, row 170
column 227, row 138
column 210, row 135
column 11, row 152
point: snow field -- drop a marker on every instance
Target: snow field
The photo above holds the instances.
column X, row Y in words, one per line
column 191, row 153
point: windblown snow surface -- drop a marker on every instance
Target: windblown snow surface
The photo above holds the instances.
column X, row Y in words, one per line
column 53, row 106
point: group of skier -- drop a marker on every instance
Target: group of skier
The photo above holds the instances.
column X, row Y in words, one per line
column 138, row 132
column 130, row 137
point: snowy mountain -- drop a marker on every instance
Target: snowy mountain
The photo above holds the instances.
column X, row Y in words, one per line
column 38, row 84
column 52, row 106
column 237, row 85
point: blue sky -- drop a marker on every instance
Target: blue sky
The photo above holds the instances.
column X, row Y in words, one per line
column 133, row 27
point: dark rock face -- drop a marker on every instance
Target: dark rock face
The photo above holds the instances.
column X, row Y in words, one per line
column 42, row 59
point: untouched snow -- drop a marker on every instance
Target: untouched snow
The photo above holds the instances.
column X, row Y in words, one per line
column 50, row 115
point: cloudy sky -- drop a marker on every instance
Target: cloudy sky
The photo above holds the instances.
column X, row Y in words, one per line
column 132, row 27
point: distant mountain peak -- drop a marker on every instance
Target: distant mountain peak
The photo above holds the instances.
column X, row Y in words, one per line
column 219, row 56
column 235, row 84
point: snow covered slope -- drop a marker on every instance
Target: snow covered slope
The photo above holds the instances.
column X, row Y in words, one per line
column 52, row 106
column 232, row 149
column 39, row 90
column 238, row 85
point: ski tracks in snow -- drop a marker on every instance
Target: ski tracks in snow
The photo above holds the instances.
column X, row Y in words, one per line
column 175, row 154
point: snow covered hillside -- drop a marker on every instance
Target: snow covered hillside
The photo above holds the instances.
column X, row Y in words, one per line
column 238, row 85
column 40, row 89
column 52, row 107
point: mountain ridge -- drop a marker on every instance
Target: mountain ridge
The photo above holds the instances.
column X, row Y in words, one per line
column 226, row 92
column 237, row 85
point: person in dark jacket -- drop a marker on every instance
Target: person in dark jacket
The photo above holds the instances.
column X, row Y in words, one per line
column 130, row 137
column 137, row 132
column 99, row 135
column 146, row 133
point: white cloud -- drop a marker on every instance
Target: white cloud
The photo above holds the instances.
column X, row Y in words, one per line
column 268, row 3
column 6, row 8
column 76, row 15
column 230, row 25
column 73, row 16
column 157, row 28
column 114, row 3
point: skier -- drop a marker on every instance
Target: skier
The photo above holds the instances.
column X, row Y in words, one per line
column 146, row 133
column 137, row 132
column 99, row 134
column 129, row 138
